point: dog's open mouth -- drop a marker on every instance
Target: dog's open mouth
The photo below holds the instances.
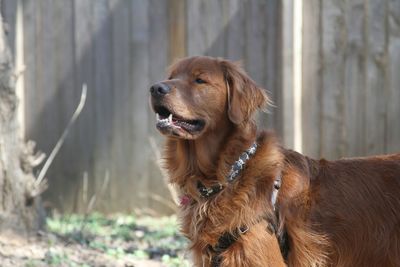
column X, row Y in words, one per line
column 168, row 122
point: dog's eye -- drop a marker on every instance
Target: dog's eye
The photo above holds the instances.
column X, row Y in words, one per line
column 200, row 81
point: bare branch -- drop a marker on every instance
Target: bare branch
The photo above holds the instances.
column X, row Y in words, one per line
column 60, row 142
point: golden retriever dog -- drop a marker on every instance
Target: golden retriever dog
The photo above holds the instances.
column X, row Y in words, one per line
column 247, row 201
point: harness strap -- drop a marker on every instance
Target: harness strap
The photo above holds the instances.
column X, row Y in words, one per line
column 224, row 242
column 227, row 239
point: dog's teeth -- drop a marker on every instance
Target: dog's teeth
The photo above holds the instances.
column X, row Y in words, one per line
column 170, row 118
column 157, row 117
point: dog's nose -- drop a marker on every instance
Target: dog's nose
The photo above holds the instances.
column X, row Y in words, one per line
column 159, row 89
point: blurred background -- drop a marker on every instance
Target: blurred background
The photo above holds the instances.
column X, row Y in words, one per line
column 331, row 67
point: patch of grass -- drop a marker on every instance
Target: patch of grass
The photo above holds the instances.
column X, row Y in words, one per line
column 175, row 261
column 122, row 236
column 55, row 258
column 32, row 263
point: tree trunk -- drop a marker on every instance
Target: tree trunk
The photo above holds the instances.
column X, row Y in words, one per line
column 19, row 201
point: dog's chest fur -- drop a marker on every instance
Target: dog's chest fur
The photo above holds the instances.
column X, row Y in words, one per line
column 242, row 202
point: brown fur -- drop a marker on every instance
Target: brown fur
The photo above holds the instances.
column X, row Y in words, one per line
column 336, row 213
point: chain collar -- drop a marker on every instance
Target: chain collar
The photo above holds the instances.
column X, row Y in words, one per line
column 236, row 168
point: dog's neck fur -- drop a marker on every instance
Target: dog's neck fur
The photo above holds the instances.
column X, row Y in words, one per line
column 202, row 157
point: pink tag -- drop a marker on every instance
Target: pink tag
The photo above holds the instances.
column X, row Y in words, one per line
column 185, row 199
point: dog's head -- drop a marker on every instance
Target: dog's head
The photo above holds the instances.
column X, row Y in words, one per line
column 201, row 93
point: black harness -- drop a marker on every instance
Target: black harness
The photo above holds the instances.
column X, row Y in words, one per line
column 227, row 239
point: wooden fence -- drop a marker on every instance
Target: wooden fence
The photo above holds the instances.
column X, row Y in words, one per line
column 349, row 81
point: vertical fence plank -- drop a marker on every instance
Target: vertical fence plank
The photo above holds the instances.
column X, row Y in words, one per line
column 139, row 83
column 83, row 59
column 354, row 83
column 205, row 36
column 332, row 96
column 63, row 66
column 103, row 94
column 66, row 98
column 235, row 30
column 255, row 54
column 271, row 73
column 287, row 107
column 196, row 42
column 255, row 25
column 9, row 13
column 29, row 47
column 393, row 105
column 277, row 109
column 311, row 81
column 375, row 106
column 46, row 81
column 159, row 44
column 158, row 58
column 47, row 122
column 214, row 28
column 122, row 143
column 177, row 29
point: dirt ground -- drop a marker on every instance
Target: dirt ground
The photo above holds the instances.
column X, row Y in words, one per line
column 46, row 249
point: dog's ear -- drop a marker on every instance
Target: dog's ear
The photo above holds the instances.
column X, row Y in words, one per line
column 244, row 95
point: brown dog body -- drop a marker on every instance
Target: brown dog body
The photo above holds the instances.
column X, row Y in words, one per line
column 339, row 213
